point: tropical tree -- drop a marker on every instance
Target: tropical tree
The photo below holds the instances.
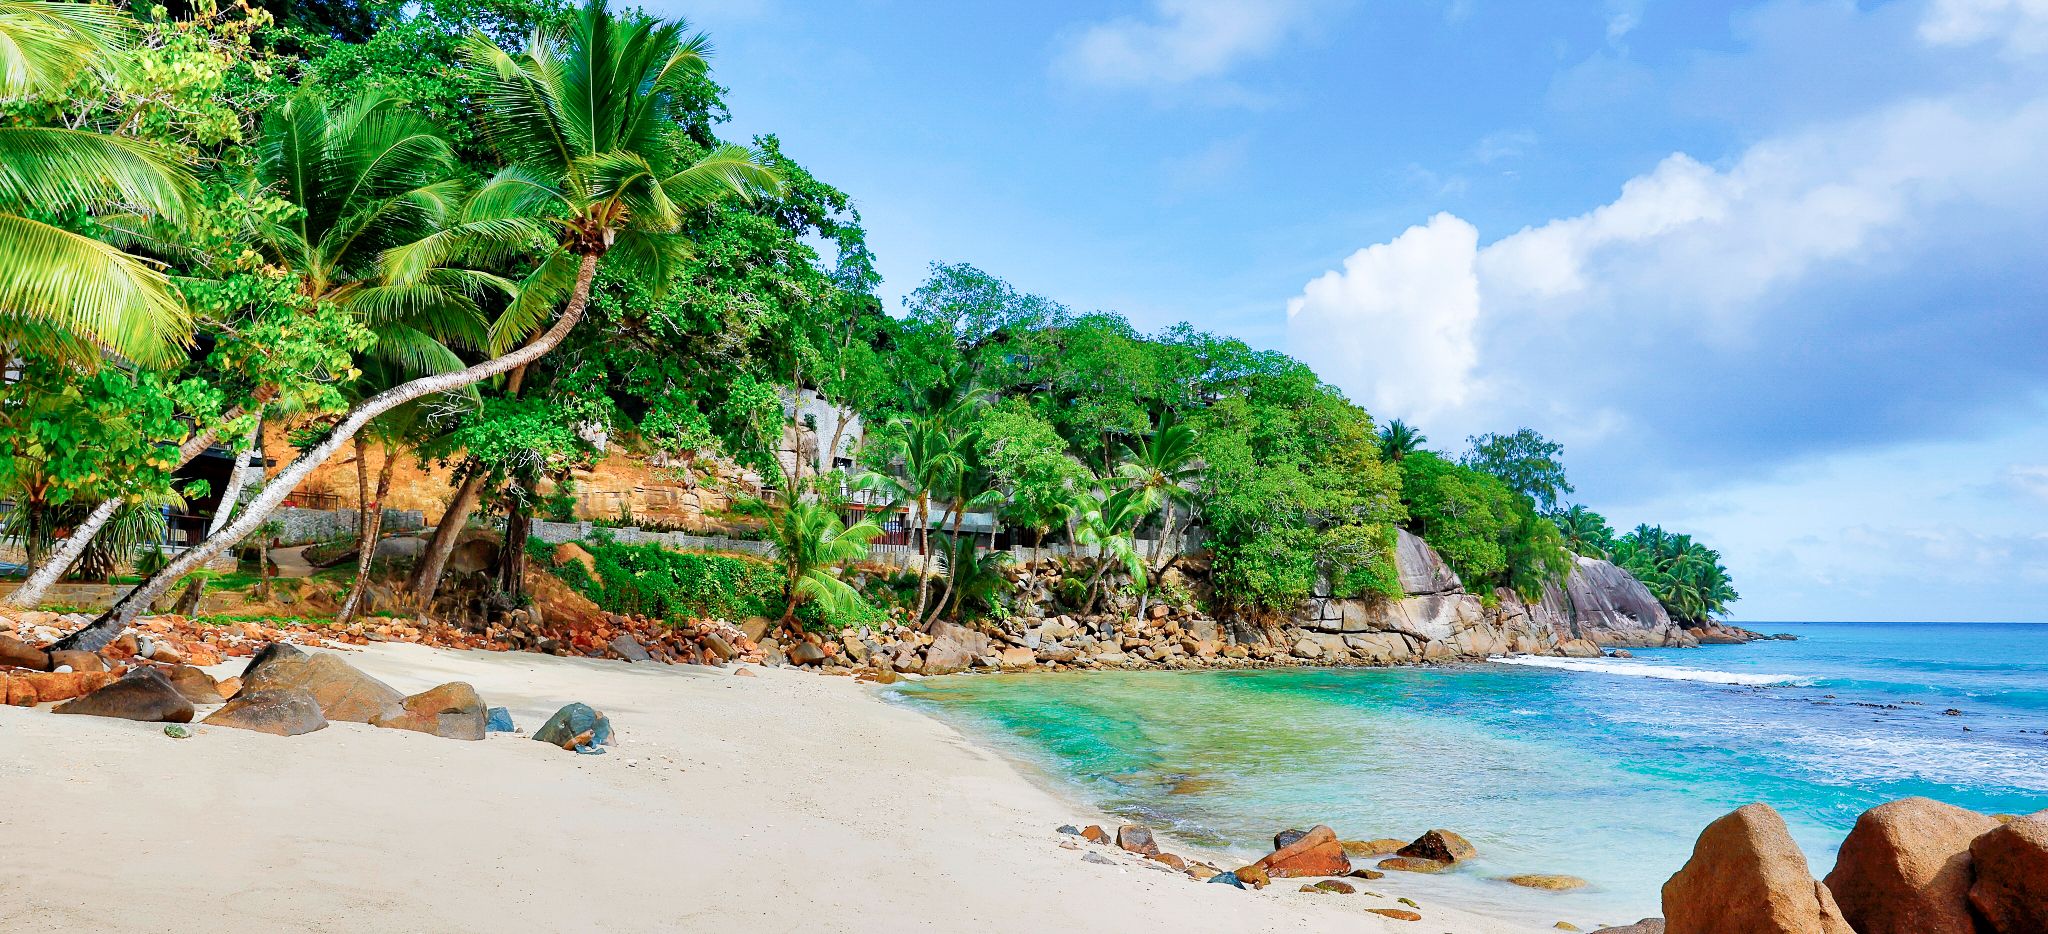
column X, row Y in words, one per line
column 812, row 543
column 582, row 118
column 1585, row 532
column 1167, row 468
column 974, row 578
column 1526, row 461
column 62, row 291
column 929, row 459
column 1107, row 520
column 1683, row 574
column 1398, row 439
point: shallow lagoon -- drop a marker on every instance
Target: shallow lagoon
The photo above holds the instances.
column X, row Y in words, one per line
column 1605, row 769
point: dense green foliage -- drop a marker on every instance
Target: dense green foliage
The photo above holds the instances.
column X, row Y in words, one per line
column 320, row 202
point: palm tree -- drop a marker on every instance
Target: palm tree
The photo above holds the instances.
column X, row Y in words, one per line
column 972, row 577
column 812, row 543
column 930, row 458
column 1107, row 521
column 61, row 291
column 971, row 488
column 1585, row 532
column 1398, row 439
column 594, row 171
column 1166, row 467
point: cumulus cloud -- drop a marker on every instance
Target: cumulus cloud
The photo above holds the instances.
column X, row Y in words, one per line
column 2022, row 25
column 1703, row 297
column 1180, row 41
column 1398, row 319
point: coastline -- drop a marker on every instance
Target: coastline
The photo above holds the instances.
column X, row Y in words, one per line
column 781, row 801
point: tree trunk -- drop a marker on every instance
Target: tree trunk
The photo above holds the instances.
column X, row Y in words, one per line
column 365, row 526
column 238, row 475
column 370, row 530
column 518, row 528
column 52, row 570
column 427, row 578
column 924, row 553
column 952, row 567
column 101, row 631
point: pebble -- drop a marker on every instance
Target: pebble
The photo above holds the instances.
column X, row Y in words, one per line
column 1094, row 857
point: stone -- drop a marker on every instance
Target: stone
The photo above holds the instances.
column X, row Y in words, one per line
column 228, row 687
column 1307, row 648
column 1093, row 857
column 1017, row 659
column 498, row 720
column 2011, row 888
column 166, row 653
column 1170, row 859
column 1135, row 839
column 54, row 686
column 1645, row 926
column 1398, row 914
column 143, row 694
column 342, row 692
column 1285, row 837
column 18, row 654
column 954, row 648
column 277, row 711
column 1366, row 874
column 1414, row 864
column 625, row 646
column 76, row 660
column 177, row 731
column 1548, row 882
column 1070, row 830
column 567, row 553
column 1315, row 853
column 1254, row 876
column 1905, row 868
column 1579, row 648
column 1332, row 887
column 806, row 653
column 124, row 646
column 1226, row 878
column 1093, row 833
column 1747, row 876
column 1367, row 849
column 1567, row 926
column 195, row 685
column 17, row 692
column 576, row 726
column 451, row 711
column 1440, row 845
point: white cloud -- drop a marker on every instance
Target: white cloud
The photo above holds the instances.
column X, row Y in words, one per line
column 1623, row 16
column 2022, row 25
column 1180, row 41
column 2031, row 479
column 1397, row 320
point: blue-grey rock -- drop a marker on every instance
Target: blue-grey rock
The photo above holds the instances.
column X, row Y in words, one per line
column 572, row 722
column 498, row 720
column 1226, row 878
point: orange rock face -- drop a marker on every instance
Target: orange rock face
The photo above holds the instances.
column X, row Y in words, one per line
column 51, row 687
column 1317, row 853
column 1398, row 914
column 1905, row 868
column 1746, row 876
column 2011, row 864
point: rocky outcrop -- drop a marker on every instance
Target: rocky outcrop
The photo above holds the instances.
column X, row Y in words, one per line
column 1747, row 876
column 343, row 692
column 1905, row 868
column 453, row 711
column 1314, row 853
column 279, row 712
column 1597, row 605
column 143, row 694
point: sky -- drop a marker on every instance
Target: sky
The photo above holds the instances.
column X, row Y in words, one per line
column 1775, row 273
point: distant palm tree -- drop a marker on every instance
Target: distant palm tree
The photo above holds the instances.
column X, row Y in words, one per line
column 811, row 543
column 1165, row 467
column 972, row 577
column 1585, row 532
column 1398, row 440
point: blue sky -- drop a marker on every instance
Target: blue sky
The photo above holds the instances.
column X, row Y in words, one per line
column 1776, row 273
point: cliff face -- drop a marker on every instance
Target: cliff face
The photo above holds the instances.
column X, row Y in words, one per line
column 1597, row 605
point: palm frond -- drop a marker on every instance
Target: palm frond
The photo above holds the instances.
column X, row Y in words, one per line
column 58, row 278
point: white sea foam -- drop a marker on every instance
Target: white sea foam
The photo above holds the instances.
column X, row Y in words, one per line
column 1616, row 666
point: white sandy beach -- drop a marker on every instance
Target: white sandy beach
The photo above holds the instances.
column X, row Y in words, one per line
column 784, row 802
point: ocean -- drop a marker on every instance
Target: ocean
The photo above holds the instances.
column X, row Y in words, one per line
column 1601, row 768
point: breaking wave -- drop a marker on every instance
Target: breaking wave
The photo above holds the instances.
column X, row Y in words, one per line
column 1614, row 666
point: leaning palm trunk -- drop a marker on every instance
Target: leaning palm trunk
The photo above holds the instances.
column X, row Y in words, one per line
column 124, row 611
column 237, row 476
column 924, row 555
column 951, row 569
column 60, row 561
column 368, row 530
column 427, row 579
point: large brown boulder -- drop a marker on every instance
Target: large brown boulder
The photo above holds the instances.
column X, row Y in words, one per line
column 452, row 710
column 279, row 712
column 342, row 692
column 195, row 685
column 1645, row 926
column 143, row 694
column 1905, row 868
column 1135, row 839
column 953, row 649
column 15, row 653
column 1315, row 853
column 1746, row 876
column 2011, row 863
column 1441, row 845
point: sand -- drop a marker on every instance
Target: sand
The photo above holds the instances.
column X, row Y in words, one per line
column 783, row 802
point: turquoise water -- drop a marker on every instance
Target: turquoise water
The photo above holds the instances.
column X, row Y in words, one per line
column 1601, row 768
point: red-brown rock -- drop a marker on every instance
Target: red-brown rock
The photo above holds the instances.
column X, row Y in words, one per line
column 17, row 692
column 2011, row 888
column 1746, row 876
column 1135, row 839
column 1441, row 845
column 1093, row 833
column 15, row 653
column 55, row 686
column 144, row 695
column 1315, row 853
column 1905, row 868
column 342, row 692
column 196, row 685
column 1414, row 864
column 453, row 711
column 77, row 661
column 1398, row 914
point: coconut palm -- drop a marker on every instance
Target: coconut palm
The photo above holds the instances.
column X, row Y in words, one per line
column 1166, row 468
column 1585, row 532
column 1107, row 520
column 973, row 577
column 930, row 458
column 62, row 291
column 595, row 172
column 1398, row 439
column 812, row 543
